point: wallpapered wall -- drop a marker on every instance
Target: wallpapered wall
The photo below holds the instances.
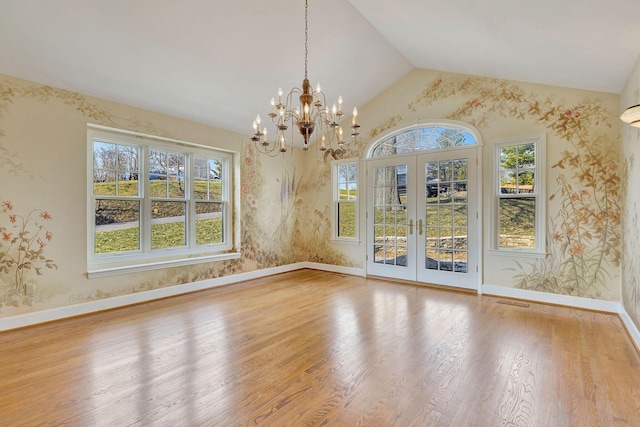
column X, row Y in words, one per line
column 286, row 205
column 583, row 170
column 631, row 205
column 43, row 152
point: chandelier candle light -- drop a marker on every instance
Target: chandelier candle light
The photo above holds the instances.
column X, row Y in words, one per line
column 309, row 116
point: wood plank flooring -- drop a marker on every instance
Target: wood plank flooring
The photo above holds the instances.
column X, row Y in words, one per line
column 316, row 348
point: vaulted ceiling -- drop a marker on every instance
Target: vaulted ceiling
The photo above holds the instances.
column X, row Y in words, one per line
column 220, row 62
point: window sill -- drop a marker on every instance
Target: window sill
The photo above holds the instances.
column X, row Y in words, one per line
column 515, row 253
column 136, row 268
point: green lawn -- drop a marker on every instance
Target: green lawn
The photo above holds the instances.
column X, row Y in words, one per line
column 172, row 234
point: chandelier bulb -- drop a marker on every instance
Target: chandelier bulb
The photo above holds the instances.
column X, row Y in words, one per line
column 355, row 112
column 340, row 101
column 334, row 109
column 255, row 126
column 318, row 89
column 258, row 120
column 306, row 108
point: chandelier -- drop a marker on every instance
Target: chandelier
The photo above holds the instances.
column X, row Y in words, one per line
column 310, row 115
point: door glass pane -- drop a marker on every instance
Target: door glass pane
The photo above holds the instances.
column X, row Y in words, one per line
column 460, row 192
column 460, row 236
column 378, row 254
column 432, row 215
column 446, row 215
column 460, row 263
column 391, row 255
column 401, row 255
column 460, row 215
column 446, row 260
column 390, row 215
column 460, row 170
column 446, row 171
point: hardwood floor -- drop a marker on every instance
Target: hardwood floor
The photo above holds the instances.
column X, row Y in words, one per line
column 316, row 348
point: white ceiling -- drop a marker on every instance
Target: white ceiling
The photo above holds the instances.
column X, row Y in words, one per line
column 220, row 62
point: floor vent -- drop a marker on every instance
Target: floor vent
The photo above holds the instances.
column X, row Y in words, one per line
column 510, row 302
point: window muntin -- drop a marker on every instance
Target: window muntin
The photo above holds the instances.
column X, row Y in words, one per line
column 519, row 202
column 425, row 138
column 155, row 199
column 345, row 200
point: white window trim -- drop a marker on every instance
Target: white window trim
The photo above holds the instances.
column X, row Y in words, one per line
column 100, row 265
column 335, row 199
column 539, row 251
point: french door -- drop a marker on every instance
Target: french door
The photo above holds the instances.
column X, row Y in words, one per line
column 422, row 221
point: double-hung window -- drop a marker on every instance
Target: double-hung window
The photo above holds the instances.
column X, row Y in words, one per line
column 155, row 202
column 519, row 201
column 345, row 200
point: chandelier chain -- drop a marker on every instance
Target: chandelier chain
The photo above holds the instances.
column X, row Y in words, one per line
column 306, row 36
column 310, row 117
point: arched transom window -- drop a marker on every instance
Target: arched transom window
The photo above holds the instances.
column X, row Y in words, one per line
column 424, row 138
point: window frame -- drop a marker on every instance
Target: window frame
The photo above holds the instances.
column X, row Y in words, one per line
column 145, row 258
column 538, row 194
column 336, row 201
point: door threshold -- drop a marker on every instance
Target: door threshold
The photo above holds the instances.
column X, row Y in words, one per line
column 423, row 284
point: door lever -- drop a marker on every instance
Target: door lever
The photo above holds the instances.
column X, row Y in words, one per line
column 420, row 227
column 410, row 226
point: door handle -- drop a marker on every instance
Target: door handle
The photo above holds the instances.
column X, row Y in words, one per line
column 420, row 227
column 410, row 226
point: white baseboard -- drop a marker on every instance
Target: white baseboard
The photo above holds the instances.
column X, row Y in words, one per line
column 569, row 301
column 334, row 268
column 631, row 327
column 535, row 296
column 49, row 315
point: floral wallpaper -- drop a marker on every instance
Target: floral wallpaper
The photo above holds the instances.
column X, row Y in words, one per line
column 31, row 280
column 584, row 183
column 286, row 210
column 585, row 230
column 22, row 259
